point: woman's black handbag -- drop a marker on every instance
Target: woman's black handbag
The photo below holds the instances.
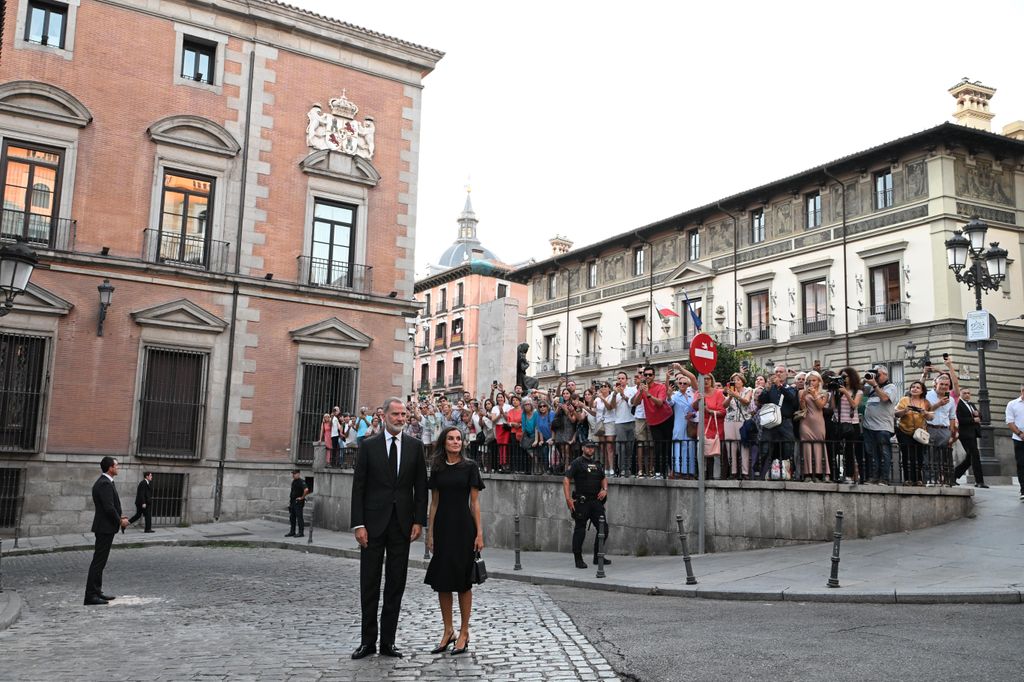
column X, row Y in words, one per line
column 479, row 570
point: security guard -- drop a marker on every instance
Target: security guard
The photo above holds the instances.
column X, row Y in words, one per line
column 586, row 503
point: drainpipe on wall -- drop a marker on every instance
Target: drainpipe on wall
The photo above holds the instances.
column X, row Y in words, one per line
column 846, row 284
column 735, row 275
column 232, row 323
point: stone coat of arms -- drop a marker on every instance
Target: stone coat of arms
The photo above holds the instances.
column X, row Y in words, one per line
column 339, row 130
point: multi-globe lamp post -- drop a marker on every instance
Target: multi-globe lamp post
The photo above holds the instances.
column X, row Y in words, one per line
column 984, row 272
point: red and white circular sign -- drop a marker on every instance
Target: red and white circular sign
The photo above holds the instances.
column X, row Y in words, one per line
column 703, row 353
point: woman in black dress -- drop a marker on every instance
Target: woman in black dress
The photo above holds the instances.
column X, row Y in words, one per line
column 454, row 533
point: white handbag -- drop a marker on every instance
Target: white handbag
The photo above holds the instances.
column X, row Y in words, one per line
column 770, row 415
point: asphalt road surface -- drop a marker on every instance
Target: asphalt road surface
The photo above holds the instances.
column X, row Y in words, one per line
column 670, row 638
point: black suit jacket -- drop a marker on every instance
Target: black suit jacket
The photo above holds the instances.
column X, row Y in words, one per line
column 965, row 421
column 376, row 490
column 108, row 507
column 144, row 493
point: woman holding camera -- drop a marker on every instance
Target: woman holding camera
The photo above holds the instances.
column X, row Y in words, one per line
column 913, row 411
column 737, row 410
column 454, row 534
column 846, row 397
column 812, row 428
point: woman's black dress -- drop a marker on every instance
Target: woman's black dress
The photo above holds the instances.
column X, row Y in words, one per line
column 451, row 567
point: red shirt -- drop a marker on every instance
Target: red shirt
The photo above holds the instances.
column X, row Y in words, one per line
column 656, row 415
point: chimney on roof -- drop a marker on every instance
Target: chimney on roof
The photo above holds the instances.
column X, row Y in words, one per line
column 559, row 245
column 972, row 104
column 1014, row 130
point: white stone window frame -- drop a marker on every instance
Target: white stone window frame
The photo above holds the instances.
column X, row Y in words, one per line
column 338, row 191
column 167, row 338
column 32, row 323
column 171, row 159
column 70, row 22
column 878, row 256
column 31, row 133
column 508, row 288
column 182, row 32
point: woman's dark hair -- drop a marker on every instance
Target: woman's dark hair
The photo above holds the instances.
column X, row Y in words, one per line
column 440, row 458
column 853, row 378
column 924, row 389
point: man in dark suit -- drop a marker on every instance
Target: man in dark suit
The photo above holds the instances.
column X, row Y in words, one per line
column 144, row 501
column 389, row 510
column 107, row 522
column 968, row 418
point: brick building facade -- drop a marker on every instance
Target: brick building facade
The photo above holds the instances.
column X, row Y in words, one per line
column 244, row 175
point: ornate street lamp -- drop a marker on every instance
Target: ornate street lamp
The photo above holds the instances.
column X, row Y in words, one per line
column 17, row 261
column 985, row 272
column 106, row 294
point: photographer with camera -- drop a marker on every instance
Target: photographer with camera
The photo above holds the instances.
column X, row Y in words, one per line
column 879, row 416
column 846, row 396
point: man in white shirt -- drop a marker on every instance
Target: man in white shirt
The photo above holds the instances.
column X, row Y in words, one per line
column 625, row 435
column 1015, row 420
column 942, row 427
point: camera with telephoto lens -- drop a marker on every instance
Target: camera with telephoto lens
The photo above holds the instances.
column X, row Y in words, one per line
column 834, row 383
column 869, row 375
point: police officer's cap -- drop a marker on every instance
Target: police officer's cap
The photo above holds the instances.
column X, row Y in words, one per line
column 589, row 444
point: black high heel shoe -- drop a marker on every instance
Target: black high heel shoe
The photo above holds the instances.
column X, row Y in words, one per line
column 456, row 651
column 444, row 646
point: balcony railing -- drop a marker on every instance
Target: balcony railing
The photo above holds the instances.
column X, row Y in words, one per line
column 588, row 361
column 174, row 248
column 749, row 336
column 38, row 230
column 635, row 353
column 439, row 343
column 424, row 385
column 549, row 366
column 456, row 339
column 675, row 345
column 320, row 272
column 439, row 382
column 458, row 304
column 441, row 308
column 885, row 315
column 455, row 381
column 811, row 326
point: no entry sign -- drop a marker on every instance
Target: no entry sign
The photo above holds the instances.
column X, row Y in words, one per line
column 703, row 353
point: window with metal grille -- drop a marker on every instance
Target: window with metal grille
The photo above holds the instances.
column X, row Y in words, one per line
column 184, row 222
column 173, row 403
column 170, row 498
column 883, row 189
column 22, row 378
column 11, row 496
column 323, row 387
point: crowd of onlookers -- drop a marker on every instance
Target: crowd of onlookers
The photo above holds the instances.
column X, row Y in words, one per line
column 813, row 425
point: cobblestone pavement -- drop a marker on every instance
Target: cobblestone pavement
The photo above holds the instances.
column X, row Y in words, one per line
column 189, row 613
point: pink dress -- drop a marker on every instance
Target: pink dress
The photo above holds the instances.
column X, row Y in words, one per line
column 812, row 437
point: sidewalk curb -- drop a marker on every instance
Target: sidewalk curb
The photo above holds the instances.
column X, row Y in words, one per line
column 10, row 609
column 1005, row 595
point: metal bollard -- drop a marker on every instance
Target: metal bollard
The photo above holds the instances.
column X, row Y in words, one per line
column 691, row 579
column 601, row 529
column 833, row 580
column 518, row 566
column 312, row 512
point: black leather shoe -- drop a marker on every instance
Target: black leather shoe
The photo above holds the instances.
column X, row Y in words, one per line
column 444, row 647
column 461, row 650
column 981, row 485
column 363, row 651
column 390, row 650
column 149, row 531
column 580, row 563
column 300, row 535
column 290, row 535
column 95, row 601
column 107, row 597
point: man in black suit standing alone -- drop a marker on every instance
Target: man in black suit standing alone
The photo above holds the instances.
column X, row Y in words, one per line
column 389, row 510
column 144, row 501
column 107, row 522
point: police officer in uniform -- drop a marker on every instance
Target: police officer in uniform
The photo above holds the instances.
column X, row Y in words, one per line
column 586, row 500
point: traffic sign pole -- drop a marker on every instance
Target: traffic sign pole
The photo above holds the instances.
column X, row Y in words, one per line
column 700, row 467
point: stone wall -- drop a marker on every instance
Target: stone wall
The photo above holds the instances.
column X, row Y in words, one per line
column 740, row 515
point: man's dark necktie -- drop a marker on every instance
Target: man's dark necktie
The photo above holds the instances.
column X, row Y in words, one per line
column 393, row 457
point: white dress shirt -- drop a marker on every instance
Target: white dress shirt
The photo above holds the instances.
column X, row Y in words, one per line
column 1015, row 415
column 398, row 445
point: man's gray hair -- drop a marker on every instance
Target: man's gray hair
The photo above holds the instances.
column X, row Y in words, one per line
column 387, row 403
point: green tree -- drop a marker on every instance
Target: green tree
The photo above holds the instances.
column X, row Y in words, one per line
column 730, row 360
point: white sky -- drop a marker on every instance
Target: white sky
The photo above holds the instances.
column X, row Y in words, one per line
column 589, row 119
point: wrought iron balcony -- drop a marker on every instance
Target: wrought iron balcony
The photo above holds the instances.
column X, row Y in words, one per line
column 885, row 315
column 424, row 386
column 760, row 335
column 456, row 339
column 320, row 272
column 456, row 381
column 676, row 345
column 459, row 303
column 819, row 325
column 439, row 382
column 588, row 361
column 439, row 342
column 40, row 231
column 549, row 366
column 182, row 250
column 441, row 308
column 636, row 353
